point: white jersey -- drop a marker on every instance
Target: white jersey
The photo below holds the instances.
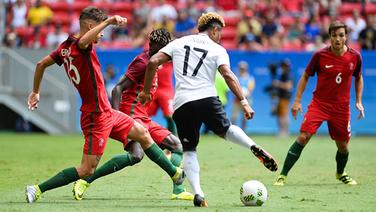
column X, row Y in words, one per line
column 195, row 59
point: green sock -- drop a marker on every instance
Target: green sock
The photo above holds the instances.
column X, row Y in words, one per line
column 62, row 178
column 113, row 165
column 176, row 158
column 156, row 154
column 170, row 125
column 292, row 156
column 341, row 159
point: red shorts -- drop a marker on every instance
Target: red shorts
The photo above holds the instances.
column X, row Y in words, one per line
column 157, row 132
column 337, row 116
column 97, row 127
column 164, row 100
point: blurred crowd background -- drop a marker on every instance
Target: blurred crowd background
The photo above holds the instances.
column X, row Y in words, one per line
column 254, row 25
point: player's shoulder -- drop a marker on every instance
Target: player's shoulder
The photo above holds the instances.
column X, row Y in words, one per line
column 71, row 40
column 353, row 51
column 143, row 57
column 322, row 51
column 64, row 48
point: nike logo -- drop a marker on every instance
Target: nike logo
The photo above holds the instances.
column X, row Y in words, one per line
column 185, row 140
column 291, row 153
column 328, row 66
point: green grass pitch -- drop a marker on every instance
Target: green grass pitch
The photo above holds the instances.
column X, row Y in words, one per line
column 31, row 158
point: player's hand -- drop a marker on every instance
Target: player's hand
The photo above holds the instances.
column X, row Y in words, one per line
column 296, row 108
column 33, row 101
column 360, row 107
column 117, row 20
column 143, row 97
column 248, row 112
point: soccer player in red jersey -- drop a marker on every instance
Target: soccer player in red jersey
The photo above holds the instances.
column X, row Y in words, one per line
column 98, row 120
column 335, row 66
column 124, row 98
column 164, row 95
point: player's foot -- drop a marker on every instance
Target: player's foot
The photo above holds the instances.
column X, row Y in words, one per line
column 281, row 180
column 185, row 195
column 200, row 201
column 346, row 179
column 179, row 176
column 265, row 158
column 79, row 188
column 33, row 193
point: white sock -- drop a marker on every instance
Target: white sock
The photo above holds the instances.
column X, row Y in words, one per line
column 236, row 135
column 192, row 170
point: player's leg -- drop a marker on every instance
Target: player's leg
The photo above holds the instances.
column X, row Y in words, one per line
column 292, row 156
column 216, row 119
column 339, row 130
column 133, row 155
column 95, row 142
column 312, row 121
column 342, row 156
column 165, row 103
column 117, row 163
column 125, row 127
column 188, row 125
column 172, row 143
column 63, row 178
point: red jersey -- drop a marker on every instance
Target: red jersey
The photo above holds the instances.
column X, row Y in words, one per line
column 334, row 74
column 165, row 77
column 84, row 71
column 136, row 73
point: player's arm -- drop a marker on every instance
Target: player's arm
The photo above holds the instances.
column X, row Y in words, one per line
column 359, row 84
column 123, row 83
column 91, row 35
column 155, row 61
column 41, row 66
column 302, row 84
column 233, row 83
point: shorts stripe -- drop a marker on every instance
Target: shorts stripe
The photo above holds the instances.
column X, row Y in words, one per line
column 91, row 133
column 139, row 85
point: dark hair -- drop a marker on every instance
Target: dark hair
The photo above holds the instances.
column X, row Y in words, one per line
column 93, row 13
column 337, row 25
column 161, row 36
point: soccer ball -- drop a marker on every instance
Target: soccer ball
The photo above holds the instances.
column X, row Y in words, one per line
column 253, row 193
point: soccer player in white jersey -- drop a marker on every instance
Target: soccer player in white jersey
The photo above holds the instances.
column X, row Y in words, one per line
column 196, row 59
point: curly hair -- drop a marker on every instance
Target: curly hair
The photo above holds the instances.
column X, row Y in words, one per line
column 161, row 36
column 208, row 19
column 92, row 13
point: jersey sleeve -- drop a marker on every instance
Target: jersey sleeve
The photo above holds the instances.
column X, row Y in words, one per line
column 56, row 57
column 169, row 48
column 136, row 70
column 223, row 58
column 358, row 68
column 313, row 65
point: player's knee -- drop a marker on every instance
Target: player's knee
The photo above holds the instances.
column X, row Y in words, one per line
column 90, row 171
column 140, row 134
column 85, row 171
column 342, row 147
column 304, row 138
column 137, row 156
column 172, row 143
